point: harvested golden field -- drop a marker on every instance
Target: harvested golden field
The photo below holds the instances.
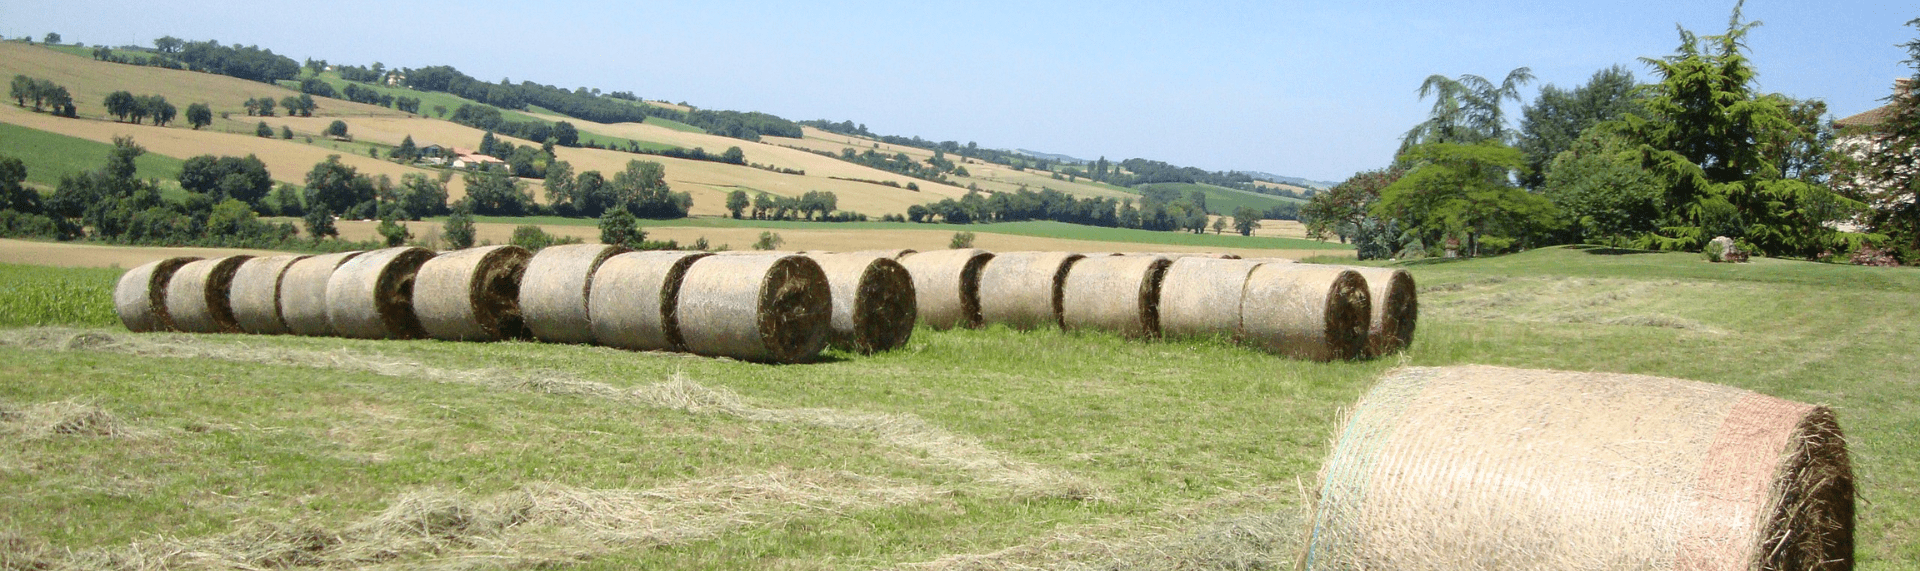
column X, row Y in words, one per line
column 76, row 255
column 990, row 177
column 289, row 161
column 89, row 81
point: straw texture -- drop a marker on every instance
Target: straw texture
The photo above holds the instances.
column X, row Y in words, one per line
column 1490, row 468
column 1022, row 289
column 472, row 294
column 1396, row 308
column 371, row 296
column 140, row 297
column 197, row 295
column 255, row 294
column 632, row 305
column 303, row 293
column 1322, row 313
column 946, row 286
column 873, row 301
column 771, row 308
column 1200, row 297
column 1120, row 294
column 556, row 289
column 894, row 254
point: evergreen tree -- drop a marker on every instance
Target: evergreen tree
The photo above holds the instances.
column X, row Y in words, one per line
column 459, row 227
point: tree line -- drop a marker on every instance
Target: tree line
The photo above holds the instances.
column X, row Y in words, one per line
column 44, row 94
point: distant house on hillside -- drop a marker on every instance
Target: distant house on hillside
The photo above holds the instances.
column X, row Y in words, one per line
column 468, row 158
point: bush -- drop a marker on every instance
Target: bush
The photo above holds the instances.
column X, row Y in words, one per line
column 769, row 241
column 533, row 238
column 961, row 240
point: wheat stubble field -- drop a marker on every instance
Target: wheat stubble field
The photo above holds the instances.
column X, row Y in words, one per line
column 988, row 449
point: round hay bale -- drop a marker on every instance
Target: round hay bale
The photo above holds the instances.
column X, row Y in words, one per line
column 303, row 293
column 1022, row 289
column 1119, row 294
column 140, row 297
column 255, row 294
column 946, row 286
column 1396, row 308
column 873, row 302
column 555, row 291
column 1178, row 255
column 1200, row 297
column 1492, row 469
column 197, row 295
column 894, row 254
column 371, row 296
column 472, row 294
column 1323, row 313
column 633, row 301
column 773, row 309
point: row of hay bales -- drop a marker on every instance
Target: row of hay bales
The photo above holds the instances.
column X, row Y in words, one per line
column 1306, row 311
column 780, row 308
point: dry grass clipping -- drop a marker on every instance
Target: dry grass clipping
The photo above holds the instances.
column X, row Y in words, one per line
column 371, row 295
column 1120, row 294
column 59, row 418
column 255, row 294
column 873, row 301
column 946, row 286
column 1494, row 468
column 140, row 297
column 1022, row 289
column 555, row 291
column 197, row 295
column 472, row 294
column 303, row 293
column 770, row 308
column 634, row 294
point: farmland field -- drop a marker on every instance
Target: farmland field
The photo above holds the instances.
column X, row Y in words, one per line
column 987, row 449
column 49, row 156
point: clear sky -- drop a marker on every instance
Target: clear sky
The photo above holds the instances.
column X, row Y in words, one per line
column 1312, row 89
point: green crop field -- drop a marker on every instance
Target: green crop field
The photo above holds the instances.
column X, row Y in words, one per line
column 1220, row 199
column 989, row 449
column 1038, row 229
column 49, row 156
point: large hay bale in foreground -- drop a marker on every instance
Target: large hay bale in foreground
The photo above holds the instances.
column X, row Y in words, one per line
column 1119, row 294
column 633, row 301
column 140, row 297
column 1396, row 308
column 773, row 308
column 371, row 296
column 1022, row 289
column 556, row 289
column 472, row 294
column 1493, row 469
column 197, row 295
column 946, row 286
column 1322, row 313
column 255, row 294
column 873, row 301
column 303, row 293
column 1200, row 297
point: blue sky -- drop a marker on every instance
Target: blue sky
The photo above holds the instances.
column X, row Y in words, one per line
column 1312, row 89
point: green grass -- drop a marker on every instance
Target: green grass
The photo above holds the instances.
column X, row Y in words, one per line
column 1039, row 229
column 39, row 295
column 428, row 99
column 675, row 125
column 1223, row 200
column 49, row 156
column 1163, row 454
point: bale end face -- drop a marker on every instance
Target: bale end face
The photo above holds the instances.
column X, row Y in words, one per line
column 472, row 294
column 198, row 295
column 766, row 308
column 1349, row 317
column 140, row 297
column 946, row 286
column 883, row 309
column 1396, row 312
column 796, row 306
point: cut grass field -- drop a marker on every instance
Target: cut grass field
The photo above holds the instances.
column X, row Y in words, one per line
column 983, row 449
column 49, row 156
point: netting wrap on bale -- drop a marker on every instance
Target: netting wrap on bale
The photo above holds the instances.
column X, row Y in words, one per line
column 1322, row 313
column 1490, row 468
column 632, row 305
column 472, row 294
column 1120, row 294
column 873, row 301
column 770, row 308
column 555, row 292
column 303, row 293
column 197, row 295
column 1200, row 297
column 1396, row 308
column 946, row 286
column 140, row 297
column 371, row 296
column 1022, row 289
column 255, row 294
